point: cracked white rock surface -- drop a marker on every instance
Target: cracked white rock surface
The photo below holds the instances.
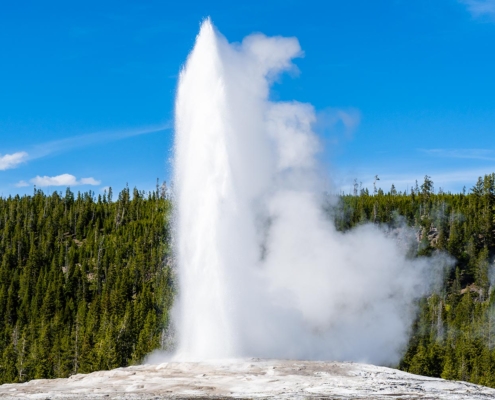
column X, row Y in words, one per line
column 247, row 378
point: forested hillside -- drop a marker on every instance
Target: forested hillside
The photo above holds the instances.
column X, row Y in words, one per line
column 85, row 283
column 454, row 335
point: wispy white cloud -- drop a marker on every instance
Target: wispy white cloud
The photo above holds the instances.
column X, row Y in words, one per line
column 89, row 181
column 21, row 184
column 480, row 8
column 60, row 180
column 475, row 154
column 74, row 142
column 9, row 161
column 332, row 120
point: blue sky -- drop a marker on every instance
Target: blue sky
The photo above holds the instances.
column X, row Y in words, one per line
column 402, row 88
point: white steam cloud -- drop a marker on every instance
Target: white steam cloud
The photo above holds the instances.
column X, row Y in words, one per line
column 262, row 270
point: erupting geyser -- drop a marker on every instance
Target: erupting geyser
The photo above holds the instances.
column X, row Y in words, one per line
column 262, row 270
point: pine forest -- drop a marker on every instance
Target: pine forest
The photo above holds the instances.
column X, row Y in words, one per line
column 87, row 281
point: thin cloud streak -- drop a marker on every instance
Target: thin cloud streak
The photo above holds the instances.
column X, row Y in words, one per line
column 480, row 8
column 474, row 154
column 58, row 146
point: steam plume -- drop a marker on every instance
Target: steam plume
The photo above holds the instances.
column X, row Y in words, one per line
column 262, row 270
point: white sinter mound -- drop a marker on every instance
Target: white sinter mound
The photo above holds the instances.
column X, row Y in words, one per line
column 249, row 378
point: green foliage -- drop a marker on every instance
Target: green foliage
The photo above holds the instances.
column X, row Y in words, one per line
column 83, row 282
column 454, row 334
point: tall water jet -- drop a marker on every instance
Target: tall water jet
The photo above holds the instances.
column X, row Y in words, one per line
column 262, row 270
column 204, row 182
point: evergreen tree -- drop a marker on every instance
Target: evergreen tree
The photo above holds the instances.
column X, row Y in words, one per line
column 74, row 269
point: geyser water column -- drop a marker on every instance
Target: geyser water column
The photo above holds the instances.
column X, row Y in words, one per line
column 204, row 187
column 221, row 166
column 262, row 270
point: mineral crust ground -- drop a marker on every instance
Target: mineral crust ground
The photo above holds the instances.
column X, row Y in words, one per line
column 247, row 379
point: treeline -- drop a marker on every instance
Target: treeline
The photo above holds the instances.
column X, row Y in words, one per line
column 84, row 281
column 454, row 334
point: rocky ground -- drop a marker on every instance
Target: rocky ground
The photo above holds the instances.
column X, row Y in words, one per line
column 247, row 379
